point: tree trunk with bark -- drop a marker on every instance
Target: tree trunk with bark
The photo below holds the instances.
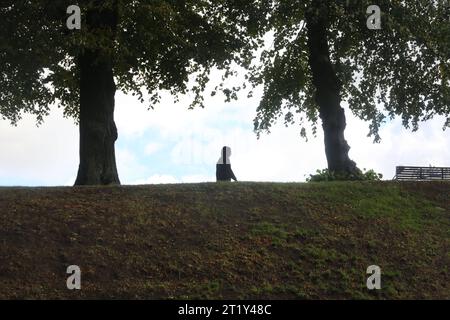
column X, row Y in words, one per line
column 327, row 96
column 98, row 132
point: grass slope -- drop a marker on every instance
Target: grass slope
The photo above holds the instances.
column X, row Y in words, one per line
column 244, row 240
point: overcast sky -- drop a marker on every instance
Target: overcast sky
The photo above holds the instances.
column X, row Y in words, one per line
column 172, row 144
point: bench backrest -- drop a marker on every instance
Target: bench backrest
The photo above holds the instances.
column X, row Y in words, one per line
column 422, row 173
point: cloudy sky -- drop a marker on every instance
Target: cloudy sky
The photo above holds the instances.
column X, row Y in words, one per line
column 172, row 144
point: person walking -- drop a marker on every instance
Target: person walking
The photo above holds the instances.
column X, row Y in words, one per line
column 223, row 166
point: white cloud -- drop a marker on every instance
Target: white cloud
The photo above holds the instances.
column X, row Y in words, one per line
column 173, row 121
column 43, row 155
column 128, row 165
column 152, row 148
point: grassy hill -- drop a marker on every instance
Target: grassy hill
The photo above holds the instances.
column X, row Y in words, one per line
column 227, row 240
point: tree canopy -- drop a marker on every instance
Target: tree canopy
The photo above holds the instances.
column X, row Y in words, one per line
column 22, row 79
column 400, row 70
column 157, row 45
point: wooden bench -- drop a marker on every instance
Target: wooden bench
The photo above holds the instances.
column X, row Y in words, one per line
column 422, row 173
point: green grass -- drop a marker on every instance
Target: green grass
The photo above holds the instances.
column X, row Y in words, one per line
column 227, row 241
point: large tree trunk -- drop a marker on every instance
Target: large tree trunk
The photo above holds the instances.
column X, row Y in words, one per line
column 327, row 95
column 98, row 131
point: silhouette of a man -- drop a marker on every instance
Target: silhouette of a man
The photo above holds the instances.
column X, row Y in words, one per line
column 223, row 166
